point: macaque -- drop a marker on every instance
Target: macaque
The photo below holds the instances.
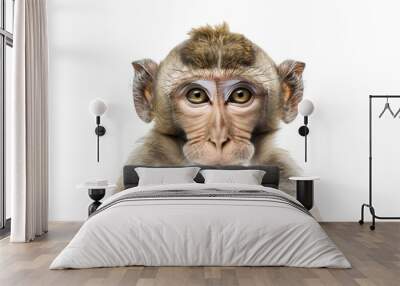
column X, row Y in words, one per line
column 216, row 99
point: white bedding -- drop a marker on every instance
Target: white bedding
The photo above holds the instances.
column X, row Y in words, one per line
column 185, row 231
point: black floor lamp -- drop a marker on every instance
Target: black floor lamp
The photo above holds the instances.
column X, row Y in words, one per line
column 97, row 107
column 306, row 108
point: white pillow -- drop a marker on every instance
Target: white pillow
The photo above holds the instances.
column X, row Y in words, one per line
column 163, row 176
column 247, row 177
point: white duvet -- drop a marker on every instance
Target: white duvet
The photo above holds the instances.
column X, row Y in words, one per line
column 200, row 231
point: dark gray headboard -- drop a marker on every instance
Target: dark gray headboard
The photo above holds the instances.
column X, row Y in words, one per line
column 271, row 177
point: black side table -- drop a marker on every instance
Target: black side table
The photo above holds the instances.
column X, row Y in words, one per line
column 96, row 193
column 305, row 190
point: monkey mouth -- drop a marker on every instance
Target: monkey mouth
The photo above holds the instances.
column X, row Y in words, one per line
column 231, row 153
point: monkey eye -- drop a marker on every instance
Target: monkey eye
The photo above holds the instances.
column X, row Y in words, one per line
column 240, row 95
column 197, row 96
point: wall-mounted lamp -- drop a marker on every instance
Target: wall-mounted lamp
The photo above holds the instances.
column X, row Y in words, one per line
column 97, row 107
column 306, row 107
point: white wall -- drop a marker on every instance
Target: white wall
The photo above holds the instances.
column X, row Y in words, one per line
column 351, row 49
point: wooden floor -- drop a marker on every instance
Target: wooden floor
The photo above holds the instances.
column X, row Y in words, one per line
column 375, row 257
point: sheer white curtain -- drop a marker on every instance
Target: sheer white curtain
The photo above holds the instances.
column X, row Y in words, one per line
column 27, row 121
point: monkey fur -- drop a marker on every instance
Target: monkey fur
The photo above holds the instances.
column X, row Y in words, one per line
column 218, row 126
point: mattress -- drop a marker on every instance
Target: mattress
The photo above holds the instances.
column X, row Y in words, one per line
column 201, row 225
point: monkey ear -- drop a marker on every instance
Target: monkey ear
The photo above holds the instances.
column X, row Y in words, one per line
column 290, row 72
column 145, row 72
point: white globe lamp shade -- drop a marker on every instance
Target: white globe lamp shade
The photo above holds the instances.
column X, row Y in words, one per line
column 306, row 107
column 97, row 107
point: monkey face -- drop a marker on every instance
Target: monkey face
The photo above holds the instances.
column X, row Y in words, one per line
column 215, row 95
column 218, row 118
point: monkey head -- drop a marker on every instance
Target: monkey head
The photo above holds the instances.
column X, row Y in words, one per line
column 217, row 91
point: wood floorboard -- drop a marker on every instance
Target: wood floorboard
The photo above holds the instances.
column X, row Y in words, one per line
column 374, row 255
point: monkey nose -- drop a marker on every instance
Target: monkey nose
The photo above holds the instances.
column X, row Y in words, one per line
column 219, row 142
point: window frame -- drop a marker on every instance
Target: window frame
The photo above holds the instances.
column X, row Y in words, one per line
column 6, row 39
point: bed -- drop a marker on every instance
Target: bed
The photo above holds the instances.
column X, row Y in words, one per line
column 198, row 224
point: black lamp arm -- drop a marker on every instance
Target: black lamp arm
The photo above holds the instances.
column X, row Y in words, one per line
column 305, row 120
column 100, row 131
column 304, row 131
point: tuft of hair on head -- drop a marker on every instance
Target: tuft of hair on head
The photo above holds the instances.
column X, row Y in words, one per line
column 216, row 47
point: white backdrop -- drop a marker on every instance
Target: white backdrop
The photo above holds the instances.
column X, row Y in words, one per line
column 351, row 49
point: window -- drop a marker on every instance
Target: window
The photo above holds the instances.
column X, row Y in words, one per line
column 6, row 44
